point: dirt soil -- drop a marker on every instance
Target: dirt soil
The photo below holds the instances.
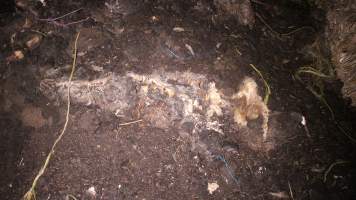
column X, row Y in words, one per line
column 152, row 113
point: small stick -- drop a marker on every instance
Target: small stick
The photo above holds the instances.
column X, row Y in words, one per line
column 313, row 71
column 320, row 97
column 60, row 17
column 290, row 191
column 69, row 196
column 331, row 167
column 280, row 35
column 304, row 124
column 129, row 123
column 39, row 32
column 297, row 30
column 76, row 22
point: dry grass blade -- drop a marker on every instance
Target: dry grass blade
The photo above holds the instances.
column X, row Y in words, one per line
column 268, row 89
column 313, row 71
column 280, row 35
column 31, row 194
column 129, row 123
column 320, row 96
column 297, row 30
column 290, row 191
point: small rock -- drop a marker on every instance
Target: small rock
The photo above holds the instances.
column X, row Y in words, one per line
column 15, row 56
column 212, row 187
column 91, row 192
column 33, row 42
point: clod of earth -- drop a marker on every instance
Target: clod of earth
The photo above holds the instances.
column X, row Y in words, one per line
column 32, row 116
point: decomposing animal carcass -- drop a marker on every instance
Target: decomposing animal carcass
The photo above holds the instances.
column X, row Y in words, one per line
column 168, row 101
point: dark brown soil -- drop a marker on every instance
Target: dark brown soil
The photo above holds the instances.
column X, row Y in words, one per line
column 157, row 158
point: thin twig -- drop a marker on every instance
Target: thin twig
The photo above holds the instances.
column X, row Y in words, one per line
column 69, row 196
column 230, row 171
column 297, row 30
column 345, row 132
column 69, row 23
column 60, row 17
column 129, row 123
column 31, row 194
column 290, row 191
column 280, row 35
column 76, row 22
column 55, row 22
column 39, row 32
column 332, row 166
column 322, row 100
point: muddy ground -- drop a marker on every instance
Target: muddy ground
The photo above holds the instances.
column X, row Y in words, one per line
column 144, row 63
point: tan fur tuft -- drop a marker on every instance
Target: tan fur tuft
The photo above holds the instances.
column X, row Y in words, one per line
column 249, row 105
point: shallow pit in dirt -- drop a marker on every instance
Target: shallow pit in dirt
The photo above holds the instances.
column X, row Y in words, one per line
column 160, row 108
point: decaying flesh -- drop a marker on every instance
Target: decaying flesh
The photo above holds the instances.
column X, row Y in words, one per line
column 169, row 99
